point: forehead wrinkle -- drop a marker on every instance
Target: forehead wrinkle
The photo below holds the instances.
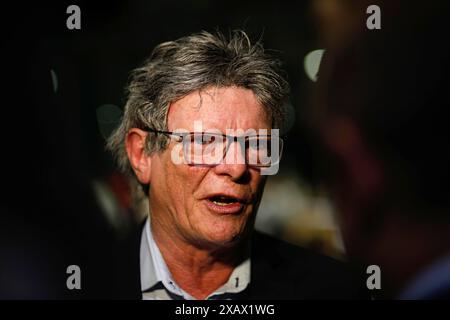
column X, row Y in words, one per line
column 234, row 115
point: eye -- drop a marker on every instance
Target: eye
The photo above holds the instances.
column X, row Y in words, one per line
column 204, row 139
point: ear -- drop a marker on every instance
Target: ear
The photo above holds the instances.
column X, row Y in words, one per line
column 140, row 161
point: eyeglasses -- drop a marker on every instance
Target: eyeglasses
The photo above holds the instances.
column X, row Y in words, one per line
column 209, row 149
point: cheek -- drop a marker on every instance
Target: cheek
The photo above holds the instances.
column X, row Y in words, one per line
column 182, row 182
column 165, row 180
column 257, row 182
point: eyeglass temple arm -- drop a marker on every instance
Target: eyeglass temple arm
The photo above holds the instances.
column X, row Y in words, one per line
column 169, row 133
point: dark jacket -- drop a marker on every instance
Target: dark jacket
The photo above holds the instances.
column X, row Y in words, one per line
column 279, row 270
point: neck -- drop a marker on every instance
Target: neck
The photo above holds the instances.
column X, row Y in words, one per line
column 197, row 270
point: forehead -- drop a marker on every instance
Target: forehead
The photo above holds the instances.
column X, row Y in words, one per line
column 219, row 108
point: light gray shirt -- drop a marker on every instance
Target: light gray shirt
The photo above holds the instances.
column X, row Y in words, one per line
column 157, row 282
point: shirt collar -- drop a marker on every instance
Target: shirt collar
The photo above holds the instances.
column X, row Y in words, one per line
column 157, row 282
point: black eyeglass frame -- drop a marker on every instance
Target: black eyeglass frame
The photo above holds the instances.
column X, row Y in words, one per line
column 229, row 139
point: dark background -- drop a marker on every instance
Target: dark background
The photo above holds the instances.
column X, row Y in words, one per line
column 52, row 148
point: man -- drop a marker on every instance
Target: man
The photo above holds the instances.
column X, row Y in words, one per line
column 199, row 134
column 382, row 117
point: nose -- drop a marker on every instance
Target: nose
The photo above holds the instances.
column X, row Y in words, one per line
column 233, row 163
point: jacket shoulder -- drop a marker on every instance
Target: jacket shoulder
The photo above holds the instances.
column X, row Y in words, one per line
column 286, row 271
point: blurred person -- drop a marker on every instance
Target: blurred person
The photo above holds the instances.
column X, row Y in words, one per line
column 198, row 241
column 381, row 116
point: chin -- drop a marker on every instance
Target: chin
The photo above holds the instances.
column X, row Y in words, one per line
column 224, row 230
column 224, row 237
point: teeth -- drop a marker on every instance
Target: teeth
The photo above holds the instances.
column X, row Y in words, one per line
column 221, row 203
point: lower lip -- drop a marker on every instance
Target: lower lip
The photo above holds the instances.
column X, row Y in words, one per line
column 232, row 208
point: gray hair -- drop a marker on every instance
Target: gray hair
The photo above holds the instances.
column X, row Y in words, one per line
column 177, row 68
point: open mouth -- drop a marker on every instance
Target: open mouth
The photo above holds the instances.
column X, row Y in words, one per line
column 223, row 200
column 224, row 204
